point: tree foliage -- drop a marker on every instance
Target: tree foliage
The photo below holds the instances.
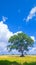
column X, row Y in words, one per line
column 21, row 42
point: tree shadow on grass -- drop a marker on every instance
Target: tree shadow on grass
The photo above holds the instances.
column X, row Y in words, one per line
column 5, row 62
column 32, row 63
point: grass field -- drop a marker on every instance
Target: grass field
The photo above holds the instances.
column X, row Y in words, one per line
column 16, row 60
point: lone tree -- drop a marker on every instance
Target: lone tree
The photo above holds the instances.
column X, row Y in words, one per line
column 21, row 42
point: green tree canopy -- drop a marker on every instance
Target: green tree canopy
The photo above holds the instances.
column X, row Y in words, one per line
column 21, row 42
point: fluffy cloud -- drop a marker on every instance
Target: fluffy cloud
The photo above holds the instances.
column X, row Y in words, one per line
column 33, row 38
column 32, row 51
column 17, row 32
column 4, row 35
column 4, row 32
column 32, row 13
column 4, row 18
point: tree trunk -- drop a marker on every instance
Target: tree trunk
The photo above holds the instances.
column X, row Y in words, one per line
column 22, row 55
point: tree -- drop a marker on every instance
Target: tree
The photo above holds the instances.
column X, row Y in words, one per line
column 21, row 42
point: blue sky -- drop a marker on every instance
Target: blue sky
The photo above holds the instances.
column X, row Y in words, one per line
column 16, row 11
column 15, row 16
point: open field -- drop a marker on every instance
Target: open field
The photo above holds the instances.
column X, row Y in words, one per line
column 16, row 60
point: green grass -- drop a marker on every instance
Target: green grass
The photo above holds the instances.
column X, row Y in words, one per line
column 16, row 60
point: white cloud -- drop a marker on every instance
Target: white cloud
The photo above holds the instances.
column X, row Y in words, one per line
column 4, row 18
column 32, row 13
column 32, row 51
column 5, row 33
column 33, row 38
column 17, row 32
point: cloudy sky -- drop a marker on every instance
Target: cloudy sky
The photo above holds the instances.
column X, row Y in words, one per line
column 17, row 16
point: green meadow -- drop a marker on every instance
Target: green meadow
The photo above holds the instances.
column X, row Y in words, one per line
column 17, row 60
